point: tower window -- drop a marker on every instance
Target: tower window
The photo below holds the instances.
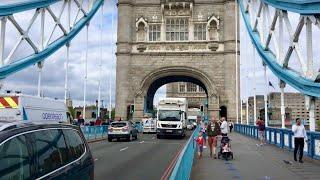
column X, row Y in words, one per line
column 154, row 32
column 200, row 32
column 177, row 29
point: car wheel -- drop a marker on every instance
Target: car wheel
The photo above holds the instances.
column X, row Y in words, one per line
column 129, row 138
column 109, row 139
column 158, row 136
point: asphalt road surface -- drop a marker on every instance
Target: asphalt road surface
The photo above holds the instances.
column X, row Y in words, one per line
column 146, row 158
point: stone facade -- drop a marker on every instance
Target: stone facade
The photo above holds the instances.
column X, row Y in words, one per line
column 159, row 42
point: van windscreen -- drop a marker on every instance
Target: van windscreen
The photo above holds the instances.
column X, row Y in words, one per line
column 118, row 124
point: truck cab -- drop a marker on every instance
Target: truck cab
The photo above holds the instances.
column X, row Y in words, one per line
column 172, row 117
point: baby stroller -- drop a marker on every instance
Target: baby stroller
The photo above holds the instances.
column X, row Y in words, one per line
column 225, row 149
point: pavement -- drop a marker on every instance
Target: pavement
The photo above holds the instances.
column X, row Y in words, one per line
column 252, row 162
column 147, row 158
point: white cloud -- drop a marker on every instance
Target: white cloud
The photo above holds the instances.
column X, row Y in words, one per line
column 54, row 66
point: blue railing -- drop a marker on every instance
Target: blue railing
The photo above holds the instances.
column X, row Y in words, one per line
column 94, row 132
column 283, row 138
column 183, row 166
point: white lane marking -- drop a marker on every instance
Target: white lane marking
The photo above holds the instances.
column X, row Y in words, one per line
column 141, row 142
column 124, row 148
column 96, row 159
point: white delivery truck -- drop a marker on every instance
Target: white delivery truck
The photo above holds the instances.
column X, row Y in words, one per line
column 172, row 117
column 149, row 125
column 20, row 107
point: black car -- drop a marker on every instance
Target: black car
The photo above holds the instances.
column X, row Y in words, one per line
column 44, row 151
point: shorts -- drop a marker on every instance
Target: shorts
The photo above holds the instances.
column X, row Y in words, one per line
column 261, row 135
column 200, row 148
column 212, row 140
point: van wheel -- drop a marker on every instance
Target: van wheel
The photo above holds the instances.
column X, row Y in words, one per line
column 109, row 139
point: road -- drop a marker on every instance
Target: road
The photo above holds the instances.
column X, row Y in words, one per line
column 145, row 158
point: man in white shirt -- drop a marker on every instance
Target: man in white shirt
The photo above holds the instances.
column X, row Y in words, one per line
column 300, row 135
column 224, row 127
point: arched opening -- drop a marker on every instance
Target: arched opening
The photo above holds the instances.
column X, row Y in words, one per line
column 223, row 112
column 149, row 99
column 144, row 96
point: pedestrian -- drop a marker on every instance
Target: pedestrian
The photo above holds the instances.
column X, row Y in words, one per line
column 261, row 129
column 200, row 143
column 98, row 122
column 80, row 121
column 203, row 130
column 224, row 127
column 300, row 135
column 213, row 130
column 230, row 126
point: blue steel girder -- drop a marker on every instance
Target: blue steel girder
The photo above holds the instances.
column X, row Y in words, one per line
column 10, row 7
column 306, row 7
column 23, row 63
column 300, row 83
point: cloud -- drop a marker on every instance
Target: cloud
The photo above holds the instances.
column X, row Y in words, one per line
column 53, row 76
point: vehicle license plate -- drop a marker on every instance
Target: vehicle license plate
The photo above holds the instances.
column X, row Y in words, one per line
column 169, row 130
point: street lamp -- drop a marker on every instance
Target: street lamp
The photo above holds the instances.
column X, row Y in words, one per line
column 97, row 109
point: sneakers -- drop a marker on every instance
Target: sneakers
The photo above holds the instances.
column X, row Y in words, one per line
column 300, row 161
column 204, row 147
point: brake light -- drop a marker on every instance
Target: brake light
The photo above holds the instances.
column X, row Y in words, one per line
column 125, row 128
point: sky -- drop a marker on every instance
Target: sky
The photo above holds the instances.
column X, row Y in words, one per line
column 54, row 67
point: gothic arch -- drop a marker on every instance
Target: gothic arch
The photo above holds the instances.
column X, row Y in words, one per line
column 212, row 28
column 164, row 72
column 141, row 29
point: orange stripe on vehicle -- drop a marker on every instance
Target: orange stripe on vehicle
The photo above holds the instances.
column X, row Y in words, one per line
column 4, row 102
column 15, row 99
column 1, row 106
column 11, row 102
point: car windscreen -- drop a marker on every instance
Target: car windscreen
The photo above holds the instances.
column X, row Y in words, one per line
column 118, row 125
column 169, row 115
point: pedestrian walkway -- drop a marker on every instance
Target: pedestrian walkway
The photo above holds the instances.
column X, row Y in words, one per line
column 252, row 162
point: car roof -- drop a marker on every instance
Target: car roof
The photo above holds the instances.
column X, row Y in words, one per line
column 114, row 122
column 12, row 128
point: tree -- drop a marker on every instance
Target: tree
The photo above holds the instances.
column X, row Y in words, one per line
column 318, row 125
column 72, row 112
column 113, row 112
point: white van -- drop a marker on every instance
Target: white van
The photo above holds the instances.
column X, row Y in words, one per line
column 20, row 107
column 149, row 125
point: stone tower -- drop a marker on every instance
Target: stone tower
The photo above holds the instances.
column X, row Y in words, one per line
column 165, row 41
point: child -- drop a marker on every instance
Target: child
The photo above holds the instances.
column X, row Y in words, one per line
column 200, row 143
column 226, row 148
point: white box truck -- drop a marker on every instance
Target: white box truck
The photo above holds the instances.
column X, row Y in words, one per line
column 172, row 117
column 20, row 107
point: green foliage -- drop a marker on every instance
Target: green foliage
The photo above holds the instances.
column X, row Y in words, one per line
column 318, row 124
column 72, row 112
column 113, row 113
